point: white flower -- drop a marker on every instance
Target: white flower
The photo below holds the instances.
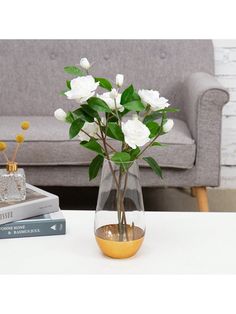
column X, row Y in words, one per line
column 113, row 93
column 84, row 63
column 119, row 80
column 82, row 88
column 60, row 115
column 168, row 126
column 111, row 102
column 103, row 121
column 136, row 133
column 152, row 98
column 91, row 129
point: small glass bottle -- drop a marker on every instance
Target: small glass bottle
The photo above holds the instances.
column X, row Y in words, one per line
column 12, row 183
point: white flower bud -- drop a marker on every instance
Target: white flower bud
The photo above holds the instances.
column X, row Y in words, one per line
column 84, row 63
column 135, row 116
column 60, row 115
column 113, row 93
column 119, row 80
column 168, row 126
column 103, row 121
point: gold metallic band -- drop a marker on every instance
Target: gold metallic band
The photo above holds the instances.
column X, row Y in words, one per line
column 12, row 166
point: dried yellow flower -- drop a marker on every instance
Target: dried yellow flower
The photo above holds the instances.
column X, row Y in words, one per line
column 3, row 146
column 20, row 138
column 25, row 125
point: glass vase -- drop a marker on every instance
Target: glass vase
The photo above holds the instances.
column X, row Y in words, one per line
column 12, row 183
column 119, row 218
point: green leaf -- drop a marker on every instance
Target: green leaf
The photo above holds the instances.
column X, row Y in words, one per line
column 89, row 111
column 121, row 157
column 134, row 153
column 93, row 145
column 154, row 165
column 80, row 113
column 134, row 105
column 136, row 96
column 75, row 128
column 111, row 118
column 68, row 84
column 158, row 144
column 169, row 110
column 127, row 95
column 70, row 117
column 73, row 70
column 154, row 128
column 114, row 131
column 104, row 83
column 151, row 117
column 98, row 104
column 95, row 166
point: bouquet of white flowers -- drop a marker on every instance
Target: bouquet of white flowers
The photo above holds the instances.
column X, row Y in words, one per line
column 133, row 118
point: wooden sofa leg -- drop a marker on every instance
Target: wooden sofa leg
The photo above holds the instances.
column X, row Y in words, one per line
column 193, row 192
column 202, row 198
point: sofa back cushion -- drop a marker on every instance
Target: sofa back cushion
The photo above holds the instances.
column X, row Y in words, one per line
column 32, row 76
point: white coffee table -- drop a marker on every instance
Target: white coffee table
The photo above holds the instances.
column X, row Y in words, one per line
column 175, row 243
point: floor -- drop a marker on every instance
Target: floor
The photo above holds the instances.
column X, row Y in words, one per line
column 160, row 199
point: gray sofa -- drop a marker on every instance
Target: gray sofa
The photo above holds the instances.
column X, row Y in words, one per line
column 182, row 70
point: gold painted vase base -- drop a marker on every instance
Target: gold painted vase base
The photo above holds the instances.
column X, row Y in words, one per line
column 108, row 240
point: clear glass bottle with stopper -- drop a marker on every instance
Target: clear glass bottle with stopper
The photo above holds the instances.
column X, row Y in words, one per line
column 12, row 178
column 12, row 183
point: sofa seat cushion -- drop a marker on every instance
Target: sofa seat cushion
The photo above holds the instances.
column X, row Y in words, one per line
column 47, row 144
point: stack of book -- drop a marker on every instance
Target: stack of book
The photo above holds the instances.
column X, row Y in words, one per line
column 38, row 215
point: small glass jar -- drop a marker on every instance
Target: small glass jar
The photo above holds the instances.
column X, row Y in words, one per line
column 12, row 183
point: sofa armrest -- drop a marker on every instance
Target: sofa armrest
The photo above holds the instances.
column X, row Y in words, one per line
column 200, row 91
column 203, row 99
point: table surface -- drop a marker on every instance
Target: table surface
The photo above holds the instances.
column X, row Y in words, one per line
column 175, row 243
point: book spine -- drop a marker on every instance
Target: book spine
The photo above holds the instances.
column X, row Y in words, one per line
column 38, row 228
column 27, row 210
